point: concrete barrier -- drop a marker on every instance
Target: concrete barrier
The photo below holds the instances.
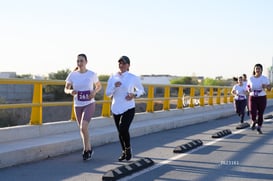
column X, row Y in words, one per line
column 22, row 144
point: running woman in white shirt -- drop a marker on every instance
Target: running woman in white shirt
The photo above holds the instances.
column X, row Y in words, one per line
column 240, row 98
column 257, row 96
column 123, row 87
column 83, row 84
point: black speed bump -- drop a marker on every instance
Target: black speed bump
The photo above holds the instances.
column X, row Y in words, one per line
column 243, row 125
column 188, row 146
column 127, row 169
column 268, row 116
column 222, row 133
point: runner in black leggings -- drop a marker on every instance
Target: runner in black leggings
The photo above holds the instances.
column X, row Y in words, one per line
column 240, row 96
column 123, row 87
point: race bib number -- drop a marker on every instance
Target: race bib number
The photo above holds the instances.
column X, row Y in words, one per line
column 256, row 92
column 83, row 95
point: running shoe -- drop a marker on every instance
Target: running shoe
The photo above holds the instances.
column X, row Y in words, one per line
column 253, row 126
column 259, row 131
column 122, row 157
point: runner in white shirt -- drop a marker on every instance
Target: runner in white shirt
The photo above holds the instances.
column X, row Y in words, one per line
column 240, row 96
column 83, row 84
column 123, row 87
column 257, row 96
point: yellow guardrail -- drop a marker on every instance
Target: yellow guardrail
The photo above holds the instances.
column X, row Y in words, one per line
column 171, row 94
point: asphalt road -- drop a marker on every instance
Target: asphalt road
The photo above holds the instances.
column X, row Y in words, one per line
column 243, row 155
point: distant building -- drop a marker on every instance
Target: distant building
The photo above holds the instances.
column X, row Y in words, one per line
column 6, row 75
column 199, row 79
column 156, row 79
column 11, row 75
column 164, row 79
column 38, row 77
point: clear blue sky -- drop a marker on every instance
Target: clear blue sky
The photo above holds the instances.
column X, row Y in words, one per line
column 178, row 37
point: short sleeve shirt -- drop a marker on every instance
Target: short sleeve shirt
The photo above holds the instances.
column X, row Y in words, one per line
column 255, row 84
column 83, row 83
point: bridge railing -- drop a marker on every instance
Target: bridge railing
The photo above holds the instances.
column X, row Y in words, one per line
column 169, row 96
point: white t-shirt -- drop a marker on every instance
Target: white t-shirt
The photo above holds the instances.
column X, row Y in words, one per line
column 240, row 92
column 255, row 84
column 130, row 83
column 83, row 83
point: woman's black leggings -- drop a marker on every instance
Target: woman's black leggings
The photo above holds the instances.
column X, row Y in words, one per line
column 123, row 122
column 257, row 106
column 240, row 106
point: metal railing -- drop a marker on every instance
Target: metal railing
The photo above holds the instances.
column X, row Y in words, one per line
column 179, row 95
